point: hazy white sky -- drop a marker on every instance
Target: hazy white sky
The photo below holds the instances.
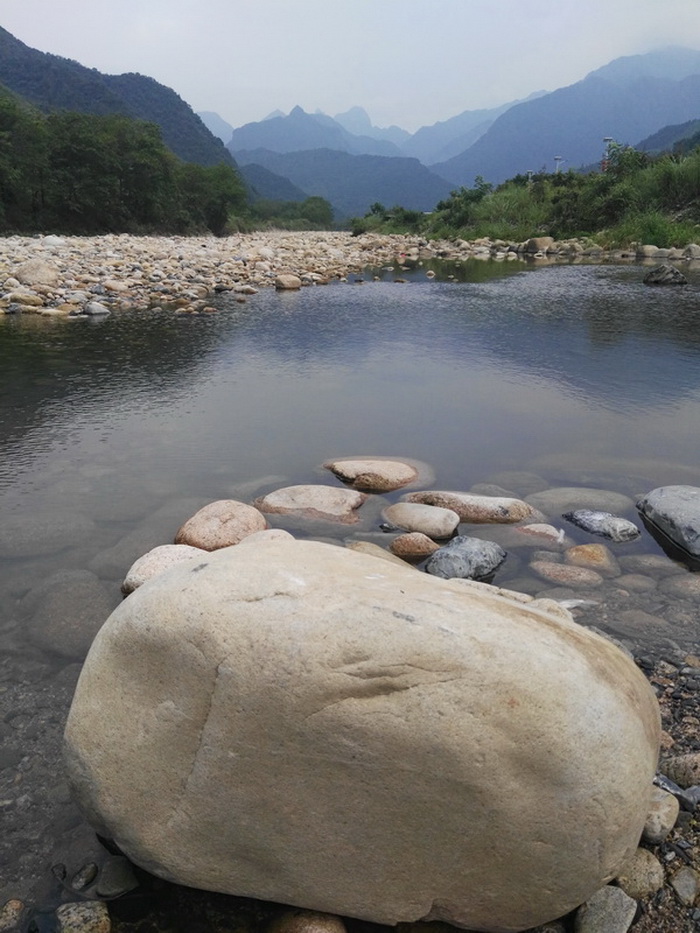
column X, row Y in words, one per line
column 406, row 62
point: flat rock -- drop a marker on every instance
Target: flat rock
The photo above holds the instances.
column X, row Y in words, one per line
column 682, row 587
column 675, row 511
column 329, row 503
column 473, row 508
column 220, row 524
column 373, row 550
column 686, row 883
column 372, row 475
column 292, row 718
column 464, row 556
column 156, row 561
column 433, row 521
column 81, row 917
column 561, row 499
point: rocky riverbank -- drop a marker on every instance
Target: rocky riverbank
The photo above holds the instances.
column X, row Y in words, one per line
column 56, row 275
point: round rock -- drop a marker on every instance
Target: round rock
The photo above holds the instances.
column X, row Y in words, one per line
column 593, row 557
column 292, row 718
column 156, row 561
column 663, row 813
column 430, row 520
column 642, row 875
column 413, row 546
column 566, row 575
column 220, row 524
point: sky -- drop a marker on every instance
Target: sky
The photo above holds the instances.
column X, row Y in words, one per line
column 406, row 62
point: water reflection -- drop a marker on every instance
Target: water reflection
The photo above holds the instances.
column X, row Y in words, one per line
column 113, row 433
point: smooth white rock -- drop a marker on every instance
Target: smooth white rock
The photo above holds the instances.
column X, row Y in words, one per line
column 283, row 721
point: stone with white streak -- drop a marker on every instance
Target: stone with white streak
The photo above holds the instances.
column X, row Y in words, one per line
column 287, row 720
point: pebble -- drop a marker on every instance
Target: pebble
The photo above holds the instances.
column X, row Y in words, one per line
column 116, row 877
column 10, row 915
column 684, row 769
column 306, row 921
column 84, row 917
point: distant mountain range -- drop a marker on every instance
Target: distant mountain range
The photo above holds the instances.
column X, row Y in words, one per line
column 53, row 83
column 628, row 100
column 352, row 183
column 650, row 100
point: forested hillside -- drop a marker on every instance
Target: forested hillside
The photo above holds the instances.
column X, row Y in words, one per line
column 85, row 173
column 53, row 83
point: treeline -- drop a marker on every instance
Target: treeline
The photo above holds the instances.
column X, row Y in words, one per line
column 88, row 174
column 636, row 198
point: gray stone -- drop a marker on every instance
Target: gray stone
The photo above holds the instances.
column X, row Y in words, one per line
column 95, row 309
column 665, row 274
column 294, row 717
column 675, row 510
column 686, row 884
column 42, row 532
column 610, row 910
column 463, row 556
column 604, row 524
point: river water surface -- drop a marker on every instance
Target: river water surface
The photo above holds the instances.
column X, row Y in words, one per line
column 115, row 431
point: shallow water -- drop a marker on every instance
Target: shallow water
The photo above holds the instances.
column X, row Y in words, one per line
column 114, row 432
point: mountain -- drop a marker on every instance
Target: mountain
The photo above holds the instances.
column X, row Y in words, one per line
column 216, row 125
column 356, row 121
column 352, row 183
column 300, row 131
column 264, row 184
column 668, row 138
column 54, row 83
column 448, row 138
column 620, row 100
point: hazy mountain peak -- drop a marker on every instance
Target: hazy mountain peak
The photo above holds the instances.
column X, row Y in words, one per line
column 672, row 63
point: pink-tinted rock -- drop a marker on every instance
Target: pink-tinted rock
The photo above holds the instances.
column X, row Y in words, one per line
column 314, row 501
column 220, row 524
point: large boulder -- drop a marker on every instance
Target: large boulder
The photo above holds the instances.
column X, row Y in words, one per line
column 675, row 511
column 300, row 723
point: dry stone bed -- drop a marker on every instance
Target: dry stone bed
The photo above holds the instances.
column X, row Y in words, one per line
column 94, row 276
